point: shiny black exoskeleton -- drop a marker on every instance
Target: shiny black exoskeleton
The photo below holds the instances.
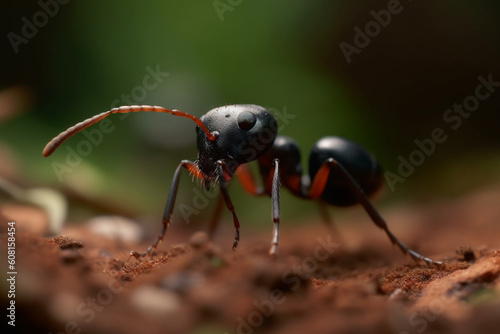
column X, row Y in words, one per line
column 244, row 132
column 360, row 164
column 341, row 172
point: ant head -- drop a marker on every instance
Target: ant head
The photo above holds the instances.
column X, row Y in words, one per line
column 243, row 133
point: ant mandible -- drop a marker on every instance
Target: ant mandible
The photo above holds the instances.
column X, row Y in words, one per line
column 341, row 172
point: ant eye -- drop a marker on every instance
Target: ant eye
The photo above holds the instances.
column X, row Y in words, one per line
column 246, row 120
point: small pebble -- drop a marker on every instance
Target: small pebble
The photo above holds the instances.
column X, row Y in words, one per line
column 71, row 255
column 67, row 243
column 198, row 239
column 155, row 301
column 116, row 228
column 396, row 293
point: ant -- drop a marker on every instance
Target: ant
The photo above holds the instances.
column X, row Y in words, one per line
column 341, row 172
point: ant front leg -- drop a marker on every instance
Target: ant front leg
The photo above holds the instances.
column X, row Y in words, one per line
column 229, row 204
column 275, row 198
column 167, row 215
column 272, row 187
column 319, row 183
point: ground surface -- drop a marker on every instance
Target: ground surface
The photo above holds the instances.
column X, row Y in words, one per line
column 81, row 282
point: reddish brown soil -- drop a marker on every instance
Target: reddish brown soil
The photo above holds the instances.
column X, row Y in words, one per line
column 84, row 283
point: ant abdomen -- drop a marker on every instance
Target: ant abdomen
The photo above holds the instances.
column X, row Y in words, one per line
column 360, row 163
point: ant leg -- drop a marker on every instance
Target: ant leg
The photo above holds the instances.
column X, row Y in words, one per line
column 273, row 182
column 216, row 217
column 227, row 199
column 248, row 182
column 276, row 211
column 167, row 215
column 319, row 184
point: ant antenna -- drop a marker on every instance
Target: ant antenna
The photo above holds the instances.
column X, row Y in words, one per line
column 54, row 143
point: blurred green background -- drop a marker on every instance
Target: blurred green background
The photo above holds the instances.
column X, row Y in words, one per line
column 283, row 55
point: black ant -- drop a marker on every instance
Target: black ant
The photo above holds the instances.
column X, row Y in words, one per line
column 341, row 172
